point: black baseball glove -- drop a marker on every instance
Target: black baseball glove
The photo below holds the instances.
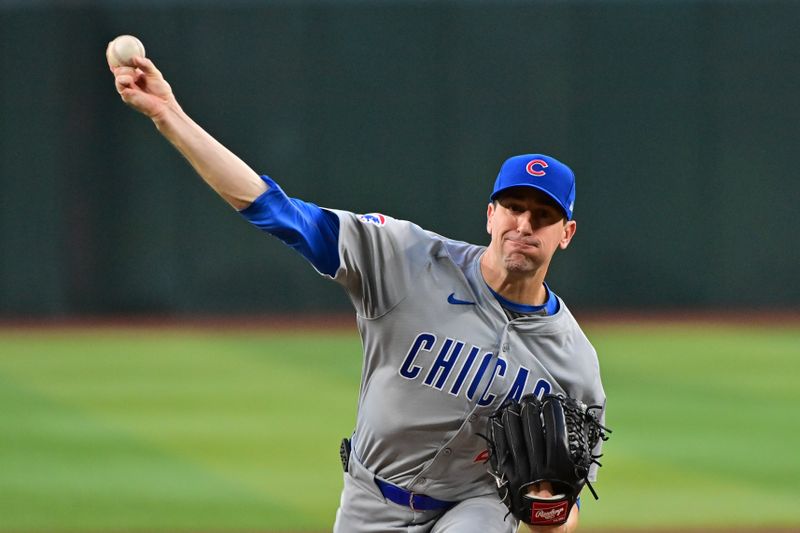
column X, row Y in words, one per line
column 551, row 440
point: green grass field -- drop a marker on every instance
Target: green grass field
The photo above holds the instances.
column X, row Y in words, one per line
column 160, row 430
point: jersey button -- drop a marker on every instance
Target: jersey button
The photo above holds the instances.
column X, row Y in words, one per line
column 422, row 481
column 472, row 418
column 447, row 451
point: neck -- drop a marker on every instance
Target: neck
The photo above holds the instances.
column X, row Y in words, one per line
column 519, row 287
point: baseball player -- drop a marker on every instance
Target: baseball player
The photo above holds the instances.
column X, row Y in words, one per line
column 450, row 330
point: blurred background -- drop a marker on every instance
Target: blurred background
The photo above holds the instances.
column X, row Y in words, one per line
column 679, row 118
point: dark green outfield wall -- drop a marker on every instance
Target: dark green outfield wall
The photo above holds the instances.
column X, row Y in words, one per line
column 681, row 120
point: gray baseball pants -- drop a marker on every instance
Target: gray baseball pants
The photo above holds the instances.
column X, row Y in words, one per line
column 363, row 509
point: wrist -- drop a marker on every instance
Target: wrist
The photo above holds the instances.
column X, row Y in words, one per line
column 563, row 528
column 166, row 118
column 568, row 527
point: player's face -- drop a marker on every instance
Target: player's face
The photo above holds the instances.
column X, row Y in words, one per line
column 527, row 227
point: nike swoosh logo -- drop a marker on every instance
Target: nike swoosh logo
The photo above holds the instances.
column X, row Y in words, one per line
column 455, row 301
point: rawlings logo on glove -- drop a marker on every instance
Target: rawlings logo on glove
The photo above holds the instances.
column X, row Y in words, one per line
column 551, row 440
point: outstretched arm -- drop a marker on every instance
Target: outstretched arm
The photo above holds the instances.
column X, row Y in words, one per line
column 144, row 88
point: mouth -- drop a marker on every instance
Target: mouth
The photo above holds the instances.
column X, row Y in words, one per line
column 524, row 243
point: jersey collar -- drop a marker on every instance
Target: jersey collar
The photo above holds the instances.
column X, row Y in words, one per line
column 550, row 307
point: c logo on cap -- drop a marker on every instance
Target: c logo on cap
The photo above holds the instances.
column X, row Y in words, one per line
column 536, row 162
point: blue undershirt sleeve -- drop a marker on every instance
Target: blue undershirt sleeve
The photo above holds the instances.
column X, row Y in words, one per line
column 309, row 229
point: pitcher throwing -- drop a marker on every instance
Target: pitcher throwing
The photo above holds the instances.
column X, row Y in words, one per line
column 451, row 331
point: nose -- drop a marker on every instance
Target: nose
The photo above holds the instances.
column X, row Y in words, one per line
column 525, row 222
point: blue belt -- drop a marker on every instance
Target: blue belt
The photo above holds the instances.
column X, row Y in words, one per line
column 416, row 502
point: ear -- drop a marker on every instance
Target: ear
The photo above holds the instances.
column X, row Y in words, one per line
column 489, row 214
column 569, row 232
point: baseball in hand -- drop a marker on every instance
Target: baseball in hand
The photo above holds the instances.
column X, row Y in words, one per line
column 123, row 49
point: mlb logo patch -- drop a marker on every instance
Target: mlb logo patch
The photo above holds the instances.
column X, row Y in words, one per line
column 373, row 218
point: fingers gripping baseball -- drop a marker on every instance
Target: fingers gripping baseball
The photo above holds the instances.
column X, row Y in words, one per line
column 142, row 86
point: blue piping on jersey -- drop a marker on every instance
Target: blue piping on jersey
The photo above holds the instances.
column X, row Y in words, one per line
column 551, row 305
column 309, row 229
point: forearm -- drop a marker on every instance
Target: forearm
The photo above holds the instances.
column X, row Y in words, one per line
column 229, row 176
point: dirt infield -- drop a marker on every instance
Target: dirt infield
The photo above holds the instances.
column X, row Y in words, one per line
column 710, row 529
column 753, row 529
column 294, row 322
column 347, row 321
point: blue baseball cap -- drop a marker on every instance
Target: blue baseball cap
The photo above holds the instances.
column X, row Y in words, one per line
column 538, row 171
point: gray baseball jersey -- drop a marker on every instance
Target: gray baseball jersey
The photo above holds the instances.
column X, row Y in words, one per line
column 440, row 355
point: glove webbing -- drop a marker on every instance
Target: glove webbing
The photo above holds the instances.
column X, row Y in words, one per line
column 576, row 416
